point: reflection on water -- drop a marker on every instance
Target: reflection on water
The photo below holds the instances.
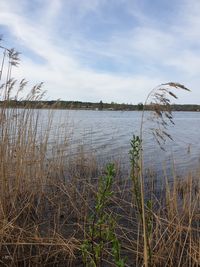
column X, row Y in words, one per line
column 108, row 134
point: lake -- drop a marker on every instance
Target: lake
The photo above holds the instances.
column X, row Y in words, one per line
column 107, row 134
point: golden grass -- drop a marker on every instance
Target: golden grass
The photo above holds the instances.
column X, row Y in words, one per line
column 44, row 205
column 45, row 202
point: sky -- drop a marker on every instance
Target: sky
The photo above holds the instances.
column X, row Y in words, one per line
column 105, row 50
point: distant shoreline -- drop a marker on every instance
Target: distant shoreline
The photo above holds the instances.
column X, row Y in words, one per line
column 78, row 105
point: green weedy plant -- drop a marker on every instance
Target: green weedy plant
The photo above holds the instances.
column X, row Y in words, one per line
column 136, row 146
column 135, row 158
column 101, row 233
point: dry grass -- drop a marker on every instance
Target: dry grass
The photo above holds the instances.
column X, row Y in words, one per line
column 45, row 203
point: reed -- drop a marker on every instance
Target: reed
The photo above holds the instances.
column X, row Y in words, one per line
column 48, row 202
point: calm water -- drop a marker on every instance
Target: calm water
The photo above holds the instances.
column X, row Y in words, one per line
column 108, row 134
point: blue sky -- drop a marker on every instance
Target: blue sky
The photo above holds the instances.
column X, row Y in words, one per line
column 109, row 50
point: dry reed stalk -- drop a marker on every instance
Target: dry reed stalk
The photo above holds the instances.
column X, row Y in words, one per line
column 162, row 116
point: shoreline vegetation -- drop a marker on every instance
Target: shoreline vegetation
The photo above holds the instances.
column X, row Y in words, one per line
column 60, row 212
column 78, row 105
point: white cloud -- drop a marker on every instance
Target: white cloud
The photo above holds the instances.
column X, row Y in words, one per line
column 66, row 75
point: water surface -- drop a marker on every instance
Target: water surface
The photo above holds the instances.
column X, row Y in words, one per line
column 107, row 134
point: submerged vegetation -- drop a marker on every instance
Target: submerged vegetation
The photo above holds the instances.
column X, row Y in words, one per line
column 59, row 212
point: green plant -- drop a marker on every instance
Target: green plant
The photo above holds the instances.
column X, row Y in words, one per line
column 101, row 233
column 135, row 159
column 135, row 151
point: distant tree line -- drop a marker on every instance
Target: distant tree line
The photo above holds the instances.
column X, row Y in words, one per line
column 53, row 104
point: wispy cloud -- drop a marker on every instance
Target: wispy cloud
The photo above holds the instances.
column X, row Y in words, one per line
column 98, row 50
